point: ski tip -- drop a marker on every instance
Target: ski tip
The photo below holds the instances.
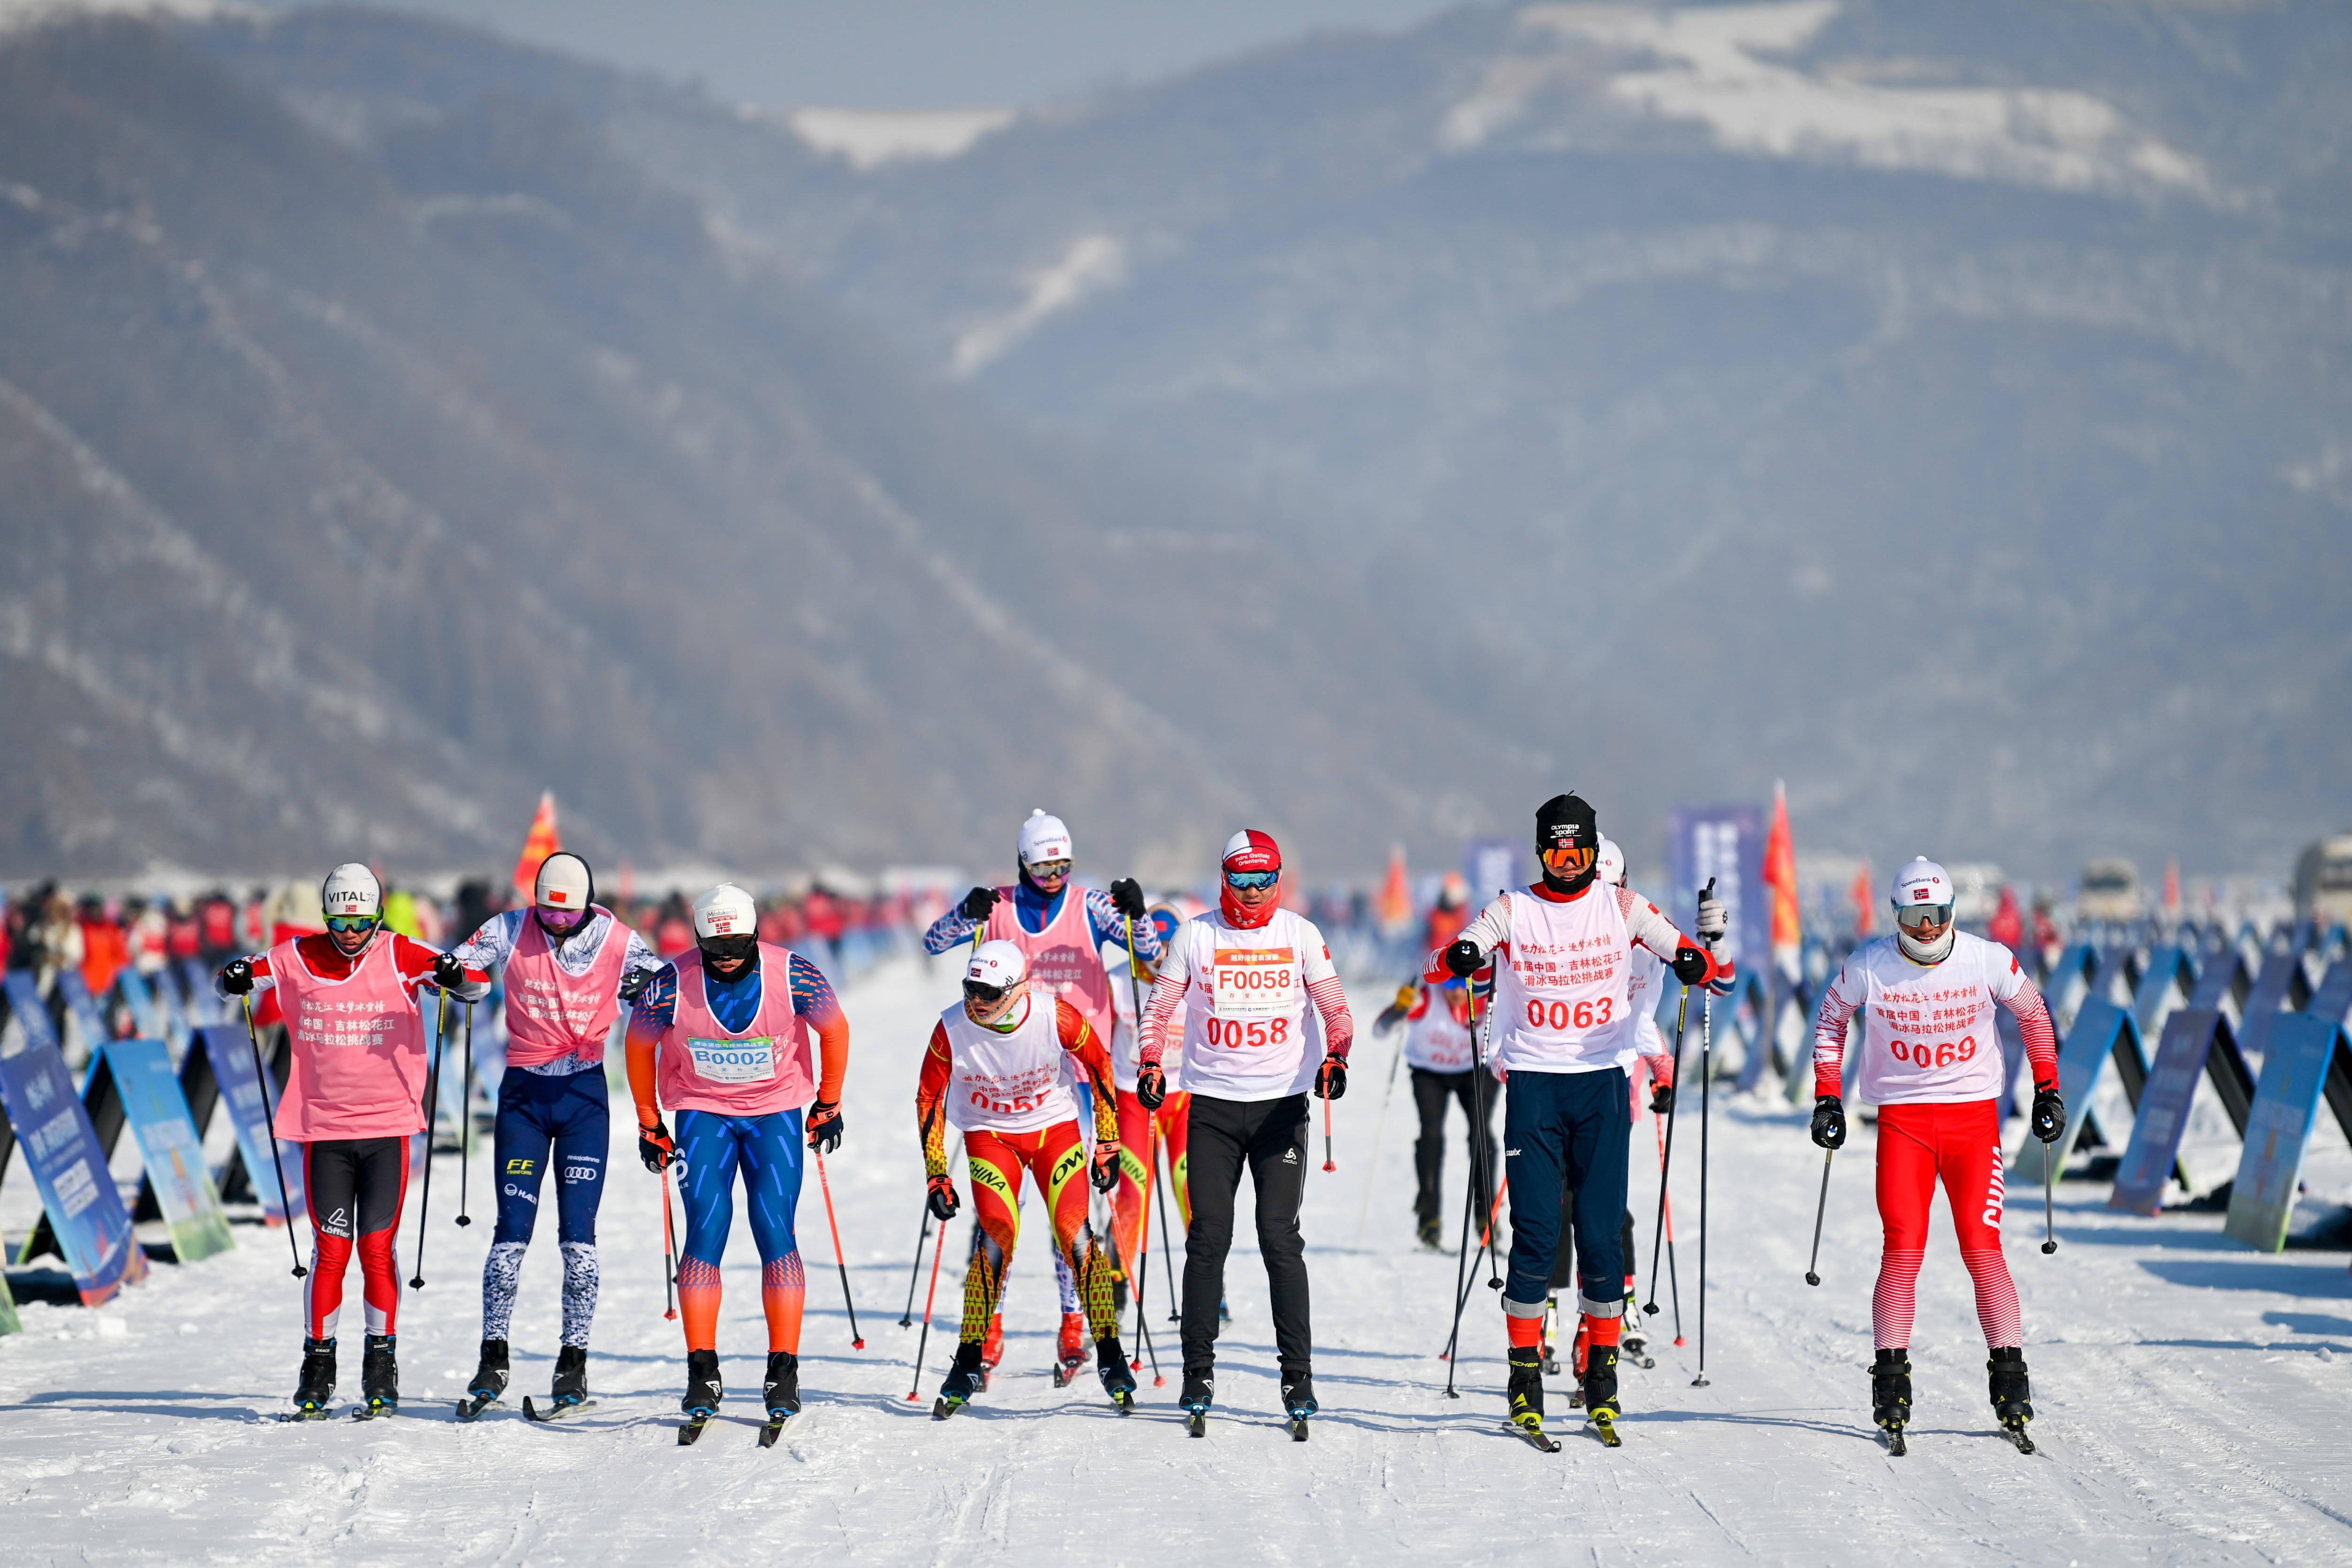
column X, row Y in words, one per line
column 1298, row 1431
column 1197, row 1424
column 769, row 1432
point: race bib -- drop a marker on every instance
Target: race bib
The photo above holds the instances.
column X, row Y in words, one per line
column 752, row 1061
column 1254, row 981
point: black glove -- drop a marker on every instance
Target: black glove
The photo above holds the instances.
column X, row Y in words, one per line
column 1690, row 966
column 448, row 973
column 943, row 1201
column 1662, row 1098
column 1829, row 1123
column 825, row 1126
column 1331, row 1078
column 2049, row 1115
column 977, row 903
column 1106, row 1164
column 236, row 976
column 655, row 1148
column 1150, row 1085
column 633, row 984
column 1462, row 958
column 1126, row 897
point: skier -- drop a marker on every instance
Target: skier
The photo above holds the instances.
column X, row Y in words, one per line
column 998, row 1065
column 1251, row 1046
column 353, row 1097
column 1062, row 941
column 569, row 965
column 1564, row 1032
column 1438, row 1043
column 719, row 1038
column 1931, row 1062
column 1140, row 1130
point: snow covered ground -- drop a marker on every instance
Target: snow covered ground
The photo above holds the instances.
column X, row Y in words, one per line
column 2192, row 1398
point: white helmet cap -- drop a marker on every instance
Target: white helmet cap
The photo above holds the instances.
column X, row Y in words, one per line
column 1043, row 839
column 563, row 883
column 726, row 910
column 999, row 964
column 1610, row 863
column 1921, row 884
column 350, row 889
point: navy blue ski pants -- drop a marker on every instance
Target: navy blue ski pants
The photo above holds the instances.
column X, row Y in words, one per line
column 1561, row 1130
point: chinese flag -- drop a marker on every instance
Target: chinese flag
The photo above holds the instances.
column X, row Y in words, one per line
column 1780, row 875
column 542, row 840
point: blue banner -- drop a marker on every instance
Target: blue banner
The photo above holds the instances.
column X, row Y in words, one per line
column 204, row 1007
column 2102, row 1029
column 88, row 1018
column 2305, row 1049
column 231, row 1052
column 168, row 1142
column 1724, row 843
column 1491, row 865
column 2164, row 1104
column 93, row 1228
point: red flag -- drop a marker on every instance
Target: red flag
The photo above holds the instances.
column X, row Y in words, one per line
column 2172, row 887
column 541, row 841
column 1780, row 875
column 1393, row 908
column 1866, row 904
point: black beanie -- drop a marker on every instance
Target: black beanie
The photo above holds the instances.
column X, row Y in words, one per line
column 1567, row 819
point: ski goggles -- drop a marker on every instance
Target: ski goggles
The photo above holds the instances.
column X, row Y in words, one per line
column 987, row 995
column 727, row 948
column 1044, row 870
column 1251, row 881
column 348, row 925
column 1924, row 917
column 1568, row 859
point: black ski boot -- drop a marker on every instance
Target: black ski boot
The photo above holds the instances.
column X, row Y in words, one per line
column 1527, row 1395
column 1199, row 1393
column 490, row 1381
column 783, row 1392
column 379, row 1377
column 964, row 1379
column 1890, row 1395
column 2013, row 1395
column 1600, row 1390
column 703, row 1394
column 316, row 1385
column 1298, row 1401
column 1117, row 1380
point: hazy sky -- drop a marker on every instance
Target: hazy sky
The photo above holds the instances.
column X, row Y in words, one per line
column 915, row 53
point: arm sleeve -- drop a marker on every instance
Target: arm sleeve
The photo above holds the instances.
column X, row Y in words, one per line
column 491, row 944
column 930, row 1102
column 813, row 999
column 1837, row 1006
column 1490, row 930
column 1110, row 926
column 1175, row 974
column 415, row 963
column 948, row 930
column 1646, row 926
column 1330, row 996
column 641, row 955
column 649, row 1019
column 2026, row 1003
column 1078, row 1038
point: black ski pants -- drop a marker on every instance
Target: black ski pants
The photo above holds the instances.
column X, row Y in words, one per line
column 1431, row 1092
column 1270, row 1137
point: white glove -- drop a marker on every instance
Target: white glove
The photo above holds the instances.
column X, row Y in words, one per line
column 1714, row 920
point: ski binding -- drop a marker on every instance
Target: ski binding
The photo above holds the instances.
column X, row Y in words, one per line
column 471, row 1408
column 1531, row 1428
column 556, row 1410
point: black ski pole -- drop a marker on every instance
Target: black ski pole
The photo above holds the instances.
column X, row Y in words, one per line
column 1705, row 1078
column 1462, row 1274
column 2049, row 1225
column 269, row 1120
column 466, row 1127
column 1665, row 1170
column 432, row 1114
column 1820, row 1209
column 1167, row 1250
column 1462, row 1278
column 922, row 1234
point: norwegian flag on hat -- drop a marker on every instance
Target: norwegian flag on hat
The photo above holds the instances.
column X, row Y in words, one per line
column 1250, row 850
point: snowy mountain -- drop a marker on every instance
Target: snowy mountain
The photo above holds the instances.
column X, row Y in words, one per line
column 1945, row 407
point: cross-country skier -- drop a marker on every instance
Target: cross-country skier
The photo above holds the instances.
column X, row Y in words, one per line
column 1251, row 1047
column 353, row 1097
column 569, row 965
column 720, row 1039
column 998, row 1071
column 1140, row 1129
column 1062, row 940
column 1565, row 1032
column 1931, row 1062
column 1435, row 1011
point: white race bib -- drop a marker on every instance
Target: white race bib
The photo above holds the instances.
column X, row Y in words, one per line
column 1254, row 981
column 747, row 1060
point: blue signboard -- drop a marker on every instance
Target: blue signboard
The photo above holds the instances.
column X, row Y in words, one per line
column 175, row 1155
column 2182, row 1056
column 1725, row 844
column 231, row 1054
column 1491, row 865
column 93, row 1228
column 196, row 985
column 2102, row 1031
column 87, row 1015
column 2307, row 1051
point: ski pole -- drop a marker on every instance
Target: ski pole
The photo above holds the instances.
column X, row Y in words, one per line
column 1706, row 1077
column 923, row 1344
column 1461, row 1285
column 1666, row 1169
column 669, row 1254
column 1141, row 1274
column 269, row 1120
column 1167, row 1248
column 1327, row 1164
column 2049, row 1225
column 1478, row 1174
column 856, row 1340
column 922, row 1235
column 1481, row 1144
column 1380, row 1132
column 466, row 1126
column 1819, row 1210
column 432, row 1115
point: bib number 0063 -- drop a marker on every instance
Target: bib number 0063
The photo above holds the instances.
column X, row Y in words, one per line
column 1558, row 1015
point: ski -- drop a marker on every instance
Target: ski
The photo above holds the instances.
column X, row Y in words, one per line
column 691, row 1428
column 771, row 1429
column 471, row 1408
column 556, row 1411
column 371, row 1411
column 319, row 1414
column 1639, row 1358
column 1531, row 1428
column 1196, row 1422
column 2016, row 1434
column 1896, row 1447
column 1298, row 1428
column 1604, row 1426
column 945, row 1407
column 1064, row 1373
column 1124, row 1400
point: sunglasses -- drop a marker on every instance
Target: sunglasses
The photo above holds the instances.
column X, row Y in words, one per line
column 1050, row 868
column 1561, row 857
column 1919, row 915
column 345, row 925
column 1251, row 881
column 984, row 994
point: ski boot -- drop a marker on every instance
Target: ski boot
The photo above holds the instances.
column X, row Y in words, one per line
column 1600, row 1391
column 783, row 1392
column 1070, row 1350
column 2013, row 1395
column 964, row 1379
column 1430, row 1233
column 1579, row 1350
column 379, row 1377
column 1635, row 1347
column 490, row 1381
column 1890, row 1395
column 1551, row 1357
column 1298, row 1401
column 1199, row 1393
column 1527, row 1396
column 1117, row 1380
column 992, row 1351
column 703, row 1394
column 568, row 1391
column 316, row 1385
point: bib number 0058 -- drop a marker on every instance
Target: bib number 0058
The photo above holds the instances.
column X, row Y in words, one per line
column 1248, row 1034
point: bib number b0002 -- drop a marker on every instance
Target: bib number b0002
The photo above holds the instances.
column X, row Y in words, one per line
column 752, row 1061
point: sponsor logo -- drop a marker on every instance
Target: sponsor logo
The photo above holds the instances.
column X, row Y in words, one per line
column 521, row 1167
column 580, row 1173
column 1291, row 1156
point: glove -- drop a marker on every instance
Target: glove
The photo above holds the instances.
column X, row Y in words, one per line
column 825, row 1126
column 2049, row 1115
column 1662, row 1098
column 236, row 976
column 656, row 1147
column 1829, row 1123
column 943, row 1201
column 1331, row 1078
column 1150, row 1085
column 633, row 984
column 1461, row 957
column 1691, row 964
column 1714, row 918
column 977, row 903
column 1126, row 897
column 1106, row 1174
column 448, row 973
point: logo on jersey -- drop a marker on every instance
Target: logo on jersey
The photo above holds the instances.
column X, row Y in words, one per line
column 521, row 1167
column 1995, row 1193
